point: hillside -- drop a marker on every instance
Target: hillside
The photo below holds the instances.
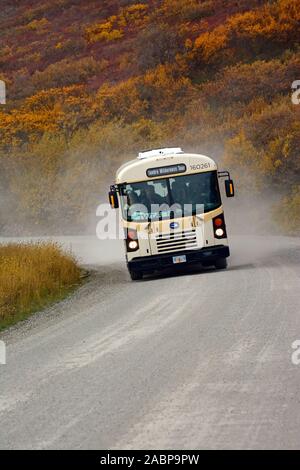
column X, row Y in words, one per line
column 89, row 83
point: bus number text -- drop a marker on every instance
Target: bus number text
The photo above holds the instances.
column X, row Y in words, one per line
column 200, row 166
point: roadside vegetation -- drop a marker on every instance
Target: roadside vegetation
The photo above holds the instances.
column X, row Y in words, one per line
column 89, row 85
column 31, row 277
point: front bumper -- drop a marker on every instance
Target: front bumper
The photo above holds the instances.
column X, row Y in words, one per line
column 206, row 256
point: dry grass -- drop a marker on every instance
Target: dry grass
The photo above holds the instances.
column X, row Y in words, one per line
column 32, row 276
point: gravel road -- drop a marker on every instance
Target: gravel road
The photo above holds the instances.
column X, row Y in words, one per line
column 201, row 359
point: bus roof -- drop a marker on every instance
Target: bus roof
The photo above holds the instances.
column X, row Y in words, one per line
column 164, row 164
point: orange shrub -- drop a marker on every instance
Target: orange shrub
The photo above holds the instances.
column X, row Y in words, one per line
column 210, row 43
column 121, row 101
column 51, row 110
column 66, row 72
column 185, row 9
column 250, row 33
column 156, row 94
column 235, row 84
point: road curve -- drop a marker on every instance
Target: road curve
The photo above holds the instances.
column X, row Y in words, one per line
column 197, row 360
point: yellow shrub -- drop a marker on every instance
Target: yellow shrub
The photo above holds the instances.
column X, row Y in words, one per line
column 113, row 27
column 31, row 275
column 102, row 32
column 37, row 25
column 287, row 212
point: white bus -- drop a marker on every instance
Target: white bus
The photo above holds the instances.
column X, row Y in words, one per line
column 172, row 211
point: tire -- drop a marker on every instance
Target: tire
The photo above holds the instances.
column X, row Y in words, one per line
column 136, row 275
column 221, row 263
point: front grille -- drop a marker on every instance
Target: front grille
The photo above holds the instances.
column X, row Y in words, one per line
column 176, row 241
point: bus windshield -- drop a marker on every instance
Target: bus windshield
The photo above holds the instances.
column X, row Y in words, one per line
column 170, row 197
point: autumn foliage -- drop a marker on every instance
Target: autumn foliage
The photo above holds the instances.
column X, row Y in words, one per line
column 89, row 86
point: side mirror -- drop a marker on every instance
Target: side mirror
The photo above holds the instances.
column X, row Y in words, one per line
column 113, row 199
column 229, row 188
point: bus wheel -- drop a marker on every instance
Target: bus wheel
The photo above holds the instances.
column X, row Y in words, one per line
column 135, row 275
column 221, row 263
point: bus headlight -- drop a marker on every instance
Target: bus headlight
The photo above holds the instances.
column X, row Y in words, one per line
column 219, row 232
column 219, row 226
column 133, row 245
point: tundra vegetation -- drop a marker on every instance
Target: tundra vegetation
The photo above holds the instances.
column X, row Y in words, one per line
column 31, row 277
column 91, row 83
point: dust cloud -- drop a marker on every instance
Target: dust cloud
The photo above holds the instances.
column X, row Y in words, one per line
column 68, row 202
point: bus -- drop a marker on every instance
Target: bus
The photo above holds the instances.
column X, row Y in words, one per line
column 171, row 211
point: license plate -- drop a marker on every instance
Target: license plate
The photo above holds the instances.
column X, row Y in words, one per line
column 179, row 259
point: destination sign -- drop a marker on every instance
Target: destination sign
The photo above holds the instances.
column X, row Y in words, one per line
column 166, row 170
